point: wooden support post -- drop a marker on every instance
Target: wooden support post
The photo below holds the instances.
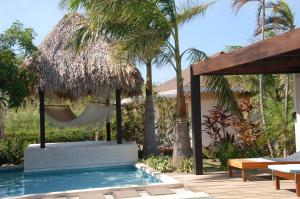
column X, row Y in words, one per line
column 277, row 182
column 230, row 171
column 297, row 182
column 196, row 123
column 244, row 175
column 119, row 116
column 42, row 119
column 108, row 134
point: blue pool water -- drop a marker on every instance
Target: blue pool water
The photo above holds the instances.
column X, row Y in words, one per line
column 14, row 183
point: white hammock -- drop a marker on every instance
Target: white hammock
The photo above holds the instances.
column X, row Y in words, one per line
column 62, row 116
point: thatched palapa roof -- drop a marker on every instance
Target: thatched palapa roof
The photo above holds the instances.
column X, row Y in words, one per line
column 92, row 71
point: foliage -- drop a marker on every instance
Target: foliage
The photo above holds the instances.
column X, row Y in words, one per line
column 232, row 137
column 280, row 19
column 15, row 44
column 132, row 125
column 225, row 151
column 218, row 124
column 282, row 132
column 160, row 163
column 248, row 132
column 165, row 122
column 164, row 164
column 186, row 166
column 12, row 150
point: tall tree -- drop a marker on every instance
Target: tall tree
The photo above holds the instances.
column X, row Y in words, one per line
column 16, row 43
column 261, row 15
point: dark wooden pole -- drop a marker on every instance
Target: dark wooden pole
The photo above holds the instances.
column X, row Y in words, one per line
column 42, row 119
column 108, row 134
column 119, row 116
column 196, row 123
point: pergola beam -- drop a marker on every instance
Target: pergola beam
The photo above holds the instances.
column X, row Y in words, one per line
column 284, row 47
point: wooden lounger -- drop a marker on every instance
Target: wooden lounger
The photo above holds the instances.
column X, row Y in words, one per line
column 289, row 172
column 253, row 163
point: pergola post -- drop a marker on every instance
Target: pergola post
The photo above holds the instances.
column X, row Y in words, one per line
column 297, row 109
column 196, row 123
column 119, row 116
column 108, row 134
column 42, row 119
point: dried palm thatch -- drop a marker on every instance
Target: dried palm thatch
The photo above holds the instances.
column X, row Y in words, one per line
column 92, row 71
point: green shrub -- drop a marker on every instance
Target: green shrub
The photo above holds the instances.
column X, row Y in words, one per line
column 160, row 163
column 225, row 151
column 164, row 164
column 12, row 150
column 186, row 166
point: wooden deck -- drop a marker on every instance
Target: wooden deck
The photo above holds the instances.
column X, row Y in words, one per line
column 220, row 186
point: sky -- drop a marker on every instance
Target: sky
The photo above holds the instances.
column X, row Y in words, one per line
column 218, row 28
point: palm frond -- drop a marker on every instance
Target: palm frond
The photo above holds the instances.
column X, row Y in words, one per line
column 191, row 11
column 220, row 86
column 165, row 57
column 280, row 19
column 238, row 4
column 72, row 5
column 194, row 55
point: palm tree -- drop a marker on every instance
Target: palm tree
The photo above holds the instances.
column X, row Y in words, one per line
column 281, row 19
column 155, row 19
column 261, row 15
column 129, row 42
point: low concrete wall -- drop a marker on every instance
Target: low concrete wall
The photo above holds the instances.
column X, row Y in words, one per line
column 58, row 156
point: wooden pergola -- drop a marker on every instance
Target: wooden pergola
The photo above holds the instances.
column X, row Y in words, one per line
column 280, row 54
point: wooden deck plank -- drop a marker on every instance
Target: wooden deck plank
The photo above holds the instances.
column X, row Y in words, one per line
column 220, row 186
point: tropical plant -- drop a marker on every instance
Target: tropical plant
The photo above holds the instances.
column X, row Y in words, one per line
column 248, row 132
column 281, row 127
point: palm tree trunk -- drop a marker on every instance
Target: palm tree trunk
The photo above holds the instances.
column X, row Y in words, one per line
column 182, row 144
column 286, row 114
column 3, row 110
column 261, row 98
column 149, row 146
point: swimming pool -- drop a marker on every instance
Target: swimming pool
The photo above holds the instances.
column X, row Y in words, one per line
column 16, row 182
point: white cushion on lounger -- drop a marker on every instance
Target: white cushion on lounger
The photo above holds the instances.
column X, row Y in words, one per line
column 260, row 160
column 287, row 168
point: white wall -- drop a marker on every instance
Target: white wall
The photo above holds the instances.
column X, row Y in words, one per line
column 73, row 155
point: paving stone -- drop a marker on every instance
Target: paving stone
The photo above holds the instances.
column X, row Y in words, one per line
column 125, row 194
column 159, row 191
column 91, row 195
